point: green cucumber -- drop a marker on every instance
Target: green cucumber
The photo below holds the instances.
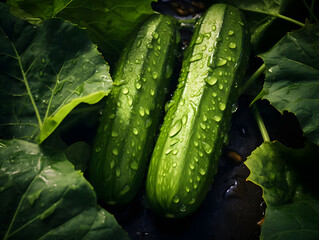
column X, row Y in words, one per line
column 191, row 138
column 128, row 127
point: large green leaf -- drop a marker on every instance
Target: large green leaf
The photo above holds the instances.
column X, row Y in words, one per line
column 292, row 78
column 43, row 197
column 109, row 23
column 288, row 178
column 45, row 72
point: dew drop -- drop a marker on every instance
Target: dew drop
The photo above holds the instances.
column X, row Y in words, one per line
column 191, row 166
column 112, row 163
column 217, row 118
column 202, row 172
column 184, row 119
column 141, row 111
column 137, row 61
column 207, row 148
column 155, row 35
column 183, row 208
column 208, row 35
column 176, row 199
column 154, row 75
column 220, row 86
column 204, row 118
column 174, row 164
column 199, row 39
column 174, row 141
column 134, row 165
column 115, row 151
column 138, row 43
column 175, row 151
column 168, row 151
column 203, row 126
column 118, row 172
column 152, row 92
column 222, row 106
column 130, row 100
column 125, row 91
column 195, row 143
column 192, row 201
column 196, row 57
column 187, row 189
column 214, row 27
column 138, row 85
column 231, row 32
column 124, row 190
column 114, row 134
column 214, row 94
column 135, row 131
column 211, row 80
column 221, row 62
column 98, row 149
column 176, row 127
column 232, row 45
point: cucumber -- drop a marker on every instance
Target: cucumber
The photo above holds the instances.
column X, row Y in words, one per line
column 126, row 133
column 198, row 118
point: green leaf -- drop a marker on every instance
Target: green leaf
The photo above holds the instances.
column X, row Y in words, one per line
column 43, row 197
column 288, row 179
column 45, row 71
column 294, row 221
column 292, row 78
column 109, row 23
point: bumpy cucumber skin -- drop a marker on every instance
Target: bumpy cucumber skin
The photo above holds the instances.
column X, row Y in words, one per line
column 127, row 129
column 191, row 139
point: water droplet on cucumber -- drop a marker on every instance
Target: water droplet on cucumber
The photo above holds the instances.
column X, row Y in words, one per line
column 115, row 151
column 211, row 80
column 134, row 165
column 176, row 127
column 155, row 35
column 202, row 172
column 135, row 131
column 176, row 199
column 232, row 45
column 196, row 57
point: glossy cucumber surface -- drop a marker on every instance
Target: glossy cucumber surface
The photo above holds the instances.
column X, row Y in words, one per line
column 198, row 118
column 127, row 129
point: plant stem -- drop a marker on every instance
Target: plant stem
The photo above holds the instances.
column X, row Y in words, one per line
column 253, row 78
column 310, row 9
column 260, row 123
column 289, row 19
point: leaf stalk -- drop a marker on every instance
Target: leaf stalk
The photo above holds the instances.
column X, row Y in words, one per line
column 260, row 123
